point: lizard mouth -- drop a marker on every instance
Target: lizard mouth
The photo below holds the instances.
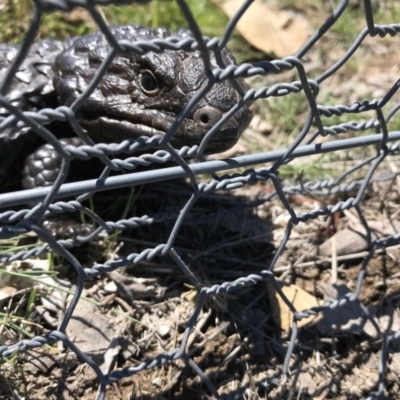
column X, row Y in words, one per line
column 114, row 128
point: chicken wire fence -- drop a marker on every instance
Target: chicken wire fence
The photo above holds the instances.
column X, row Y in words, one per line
column 28, row 219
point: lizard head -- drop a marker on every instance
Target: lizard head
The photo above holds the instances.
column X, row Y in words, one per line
column 143, row 94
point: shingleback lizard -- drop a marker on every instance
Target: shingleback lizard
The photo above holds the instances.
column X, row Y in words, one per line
column 139, row 95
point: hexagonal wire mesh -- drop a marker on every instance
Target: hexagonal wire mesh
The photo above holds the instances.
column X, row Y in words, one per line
column 28, row 219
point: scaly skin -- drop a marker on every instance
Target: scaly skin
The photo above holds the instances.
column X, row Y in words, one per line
column 139, row 95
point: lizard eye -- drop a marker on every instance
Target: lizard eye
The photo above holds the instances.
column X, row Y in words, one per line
column 148, row 83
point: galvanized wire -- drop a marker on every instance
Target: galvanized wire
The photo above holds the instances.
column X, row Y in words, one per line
column 15, row 222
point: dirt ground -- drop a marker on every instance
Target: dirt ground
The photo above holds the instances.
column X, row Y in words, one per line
column 240, row 339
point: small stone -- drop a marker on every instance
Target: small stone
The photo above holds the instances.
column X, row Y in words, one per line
column 163, row 330
column 348, row 241
column 265, row 128
column 110, row 287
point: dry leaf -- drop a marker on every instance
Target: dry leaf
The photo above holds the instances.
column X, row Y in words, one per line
column 300, row 299
column 269, row 29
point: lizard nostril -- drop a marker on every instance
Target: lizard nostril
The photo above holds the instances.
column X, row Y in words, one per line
column 207, row 117
column 204, row 119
